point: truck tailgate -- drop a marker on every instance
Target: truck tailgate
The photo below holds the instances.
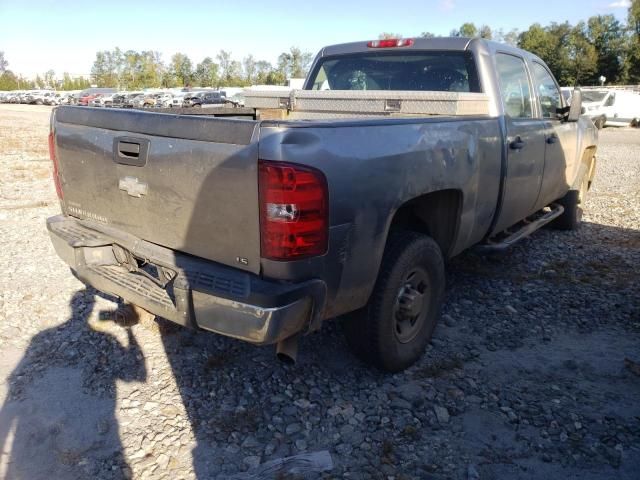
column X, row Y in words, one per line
column 186, row 183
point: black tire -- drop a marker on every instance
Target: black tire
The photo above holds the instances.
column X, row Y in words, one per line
column 600, row 123
column 572, row 202
column 385, row 332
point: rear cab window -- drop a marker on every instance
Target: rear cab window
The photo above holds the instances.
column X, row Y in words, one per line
column 450, row 71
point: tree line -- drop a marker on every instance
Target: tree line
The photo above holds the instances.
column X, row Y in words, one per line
column 576, row 54
column 133, row 70
column 11, row 81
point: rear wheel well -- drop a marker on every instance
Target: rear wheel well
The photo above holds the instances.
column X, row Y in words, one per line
column 435, row 214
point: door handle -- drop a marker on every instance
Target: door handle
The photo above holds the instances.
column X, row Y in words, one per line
column 552, row 139
column 516, row 144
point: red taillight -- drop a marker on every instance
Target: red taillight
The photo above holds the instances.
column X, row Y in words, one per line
column 294, row 210
column 54, row 160
column 390, row 43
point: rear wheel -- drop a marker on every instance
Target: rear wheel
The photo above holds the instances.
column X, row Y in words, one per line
column 392, row 331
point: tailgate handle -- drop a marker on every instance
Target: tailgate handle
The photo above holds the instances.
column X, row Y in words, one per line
column 130, row 151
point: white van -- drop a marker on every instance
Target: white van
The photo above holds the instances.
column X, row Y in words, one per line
column 622, row 108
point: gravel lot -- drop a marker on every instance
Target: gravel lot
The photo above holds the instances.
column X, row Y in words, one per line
column 531, row 373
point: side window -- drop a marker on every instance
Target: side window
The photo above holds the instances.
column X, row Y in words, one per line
column 514, row 84
column 548, row 92
column 321, row 82
column 610, row 101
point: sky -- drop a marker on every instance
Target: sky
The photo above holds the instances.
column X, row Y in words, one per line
column 38, row 35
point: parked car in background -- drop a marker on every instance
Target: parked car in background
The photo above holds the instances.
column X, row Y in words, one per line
column 202, row 99
column 97, row 101
column 144, row 101
column 9, row 97
column 130, row 98
column 84, row 99
column 85, row 96
column 118, row 100
column 53, row 99
column 178, row 100
column 164, row 100
column 39, row 97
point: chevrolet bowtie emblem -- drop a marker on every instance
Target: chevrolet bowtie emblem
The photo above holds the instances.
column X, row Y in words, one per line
column 133, row 186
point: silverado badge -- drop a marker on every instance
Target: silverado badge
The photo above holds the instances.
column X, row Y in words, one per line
column 133, row 186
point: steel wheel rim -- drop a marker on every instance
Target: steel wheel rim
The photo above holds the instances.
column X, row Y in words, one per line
column 411, row 305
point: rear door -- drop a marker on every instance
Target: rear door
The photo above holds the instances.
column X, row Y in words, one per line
column 525, row 142
column 560, row 161
column 188, row 183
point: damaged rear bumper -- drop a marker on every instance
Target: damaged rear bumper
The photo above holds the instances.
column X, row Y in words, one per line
column 200, row 293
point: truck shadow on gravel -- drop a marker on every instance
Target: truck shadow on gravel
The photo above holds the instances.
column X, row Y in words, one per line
column 58, row 419
column 524, row 378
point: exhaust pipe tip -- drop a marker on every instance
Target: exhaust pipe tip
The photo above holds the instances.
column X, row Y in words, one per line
column 287, row 350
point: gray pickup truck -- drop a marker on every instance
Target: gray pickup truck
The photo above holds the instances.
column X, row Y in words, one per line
column 260, row 229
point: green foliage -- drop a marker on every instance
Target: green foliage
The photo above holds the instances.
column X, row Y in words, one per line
column 11, row 81
column 608, row 38
column 133, row 70
column 468, row 30
column 77, row 83
column 295, row 63
column 632, row 59
column 181, row 69
column 206, row 73
column 485, row 32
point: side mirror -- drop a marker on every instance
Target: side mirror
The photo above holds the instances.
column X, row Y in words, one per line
column 575, row 110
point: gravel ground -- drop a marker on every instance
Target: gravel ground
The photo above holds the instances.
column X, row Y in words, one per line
column 531, row 374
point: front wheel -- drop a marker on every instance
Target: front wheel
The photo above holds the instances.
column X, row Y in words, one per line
column 392, row 331
column 573, row 203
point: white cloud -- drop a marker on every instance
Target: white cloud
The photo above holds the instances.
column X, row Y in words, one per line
column 448, row 5
column 620, row 4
